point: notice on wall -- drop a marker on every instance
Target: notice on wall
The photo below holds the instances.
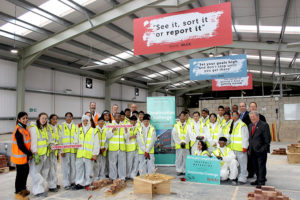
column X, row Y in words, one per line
column 203, row 169
column 218, row 67
column 240, row 83
column 189, row 29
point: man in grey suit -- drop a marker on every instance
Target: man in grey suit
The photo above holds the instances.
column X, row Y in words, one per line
column 259, row 147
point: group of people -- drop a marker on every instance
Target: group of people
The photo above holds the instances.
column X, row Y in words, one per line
column 122, row 152
column 117, row 152
column 240, row 139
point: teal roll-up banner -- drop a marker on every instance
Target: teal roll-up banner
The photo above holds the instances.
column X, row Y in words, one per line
column 162, row 111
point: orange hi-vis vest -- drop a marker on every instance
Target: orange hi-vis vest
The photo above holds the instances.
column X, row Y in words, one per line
column 17, row 156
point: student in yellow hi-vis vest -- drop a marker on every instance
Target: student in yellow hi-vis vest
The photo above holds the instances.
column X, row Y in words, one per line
column 68, row 156
column 204, row 116
column 131, row 149
column 220, row 117
column 202, row 149
column 127, row 115
column 140, row 118
column 197, row 132
column 123, row 119
column 100, row 165
column 226, row 125
column 239, row 142
column 107, row 120
column 53, row 136
column 180, row 135
column 39, row 147
column 229, row 164
column 146, row 140
column 86, row 154
column 214, row 130
column 117, row 150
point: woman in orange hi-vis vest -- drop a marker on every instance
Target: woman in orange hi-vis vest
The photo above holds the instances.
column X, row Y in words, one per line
column 21, row 154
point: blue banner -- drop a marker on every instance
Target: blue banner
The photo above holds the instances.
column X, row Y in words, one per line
column 218, row 67
column 162, row 111
column 203, row 169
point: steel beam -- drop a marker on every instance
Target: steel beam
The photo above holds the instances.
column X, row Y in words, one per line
column 85, row 26
column 171, row 3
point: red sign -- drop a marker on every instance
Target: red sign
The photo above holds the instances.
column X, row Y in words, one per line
column 189, row 29
column 241, row 83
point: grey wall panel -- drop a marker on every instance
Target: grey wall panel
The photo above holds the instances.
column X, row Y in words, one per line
column 7, row 103
column 65, row 81
column 98, row 89
column 65, row 104
column 38, row 103
column 7, row 126
column 8, row 74
column 116, row 91
column 38, row 78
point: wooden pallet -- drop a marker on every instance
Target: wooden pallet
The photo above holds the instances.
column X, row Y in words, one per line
column 4, row 170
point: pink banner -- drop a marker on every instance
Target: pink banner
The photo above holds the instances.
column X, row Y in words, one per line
column 119, row 126
column 76, row 146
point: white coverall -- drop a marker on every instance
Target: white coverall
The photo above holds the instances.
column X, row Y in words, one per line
column 39, row 171
column 84, row 166
column 68, row 162
column 193, row 135
column 181, row 154
column 241, row 156
column 52, row 160
column 117, row 159
column 100, row 165
column 230, row 166
column 146, row 166
column 212, row 142
column 132, row 159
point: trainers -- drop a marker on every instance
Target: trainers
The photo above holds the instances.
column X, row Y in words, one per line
column 67, row 187
column 53, row 189
column 254, row 183
column 77, row 187
column 44, row 194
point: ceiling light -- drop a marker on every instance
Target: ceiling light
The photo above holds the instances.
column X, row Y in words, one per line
column 122, row 79
column 211, row 55
column 14, row 51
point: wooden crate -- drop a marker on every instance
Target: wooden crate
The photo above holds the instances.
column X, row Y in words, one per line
column 150, row 187
column 293, row 158
column 294, row 148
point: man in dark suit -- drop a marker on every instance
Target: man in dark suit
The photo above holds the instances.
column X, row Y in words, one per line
column 259, row 147
column 244, row 114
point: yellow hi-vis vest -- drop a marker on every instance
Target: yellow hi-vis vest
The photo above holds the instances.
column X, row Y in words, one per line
column 132, row 144
column 55, row 137
column 117, row 141
column 203, row 153
column 221, row 122
column 236, row 137
column 68, row 136
column 226, row 129
column 214, row 133
column 102, row 139
column 194, row 131
column 204, row 124
column 149, row 138
column 218, row 152
column 42, row 140
column 87, row 142
column 182, row 133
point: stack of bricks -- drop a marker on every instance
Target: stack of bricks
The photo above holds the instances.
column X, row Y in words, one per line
column 116, row 186
column 293, row 153
column 99, row 184
column 280, row 151
column 3, row 161
column 267, row 193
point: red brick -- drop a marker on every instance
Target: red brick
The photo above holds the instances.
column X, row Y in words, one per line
column 267, row 188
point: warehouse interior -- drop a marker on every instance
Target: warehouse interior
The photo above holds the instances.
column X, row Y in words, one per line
column 59, row 55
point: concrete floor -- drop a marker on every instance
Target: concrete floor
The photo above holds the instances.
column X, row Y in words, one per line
column 284, row 176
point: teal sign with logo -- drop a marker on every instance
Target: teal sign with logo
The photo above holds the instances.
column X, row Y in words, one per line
column 162, row 111
column 203, row 169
